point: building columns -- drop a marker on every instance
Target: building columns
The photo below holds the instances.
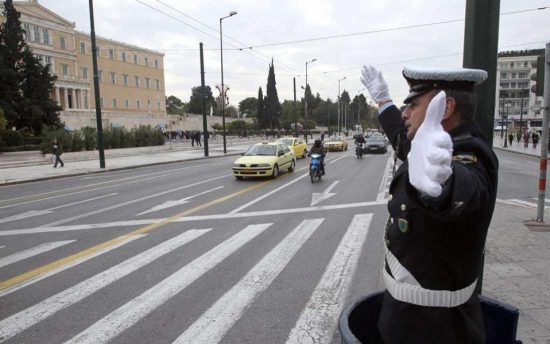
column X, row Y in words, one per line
column 57, row 97
column 73, row 98
column 66, row 99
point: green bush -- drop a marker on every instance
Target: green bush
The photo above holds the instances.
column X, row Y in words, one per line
column 78, row 142
column 11, row 138
column 63, row 137
column 90, row 138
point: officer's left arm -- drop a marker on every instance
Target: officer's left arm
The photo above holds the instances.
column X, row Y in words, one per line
column 466, row 191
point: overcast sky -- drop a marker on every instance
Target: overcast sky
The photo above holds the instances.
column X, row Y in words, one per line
column 258, row 23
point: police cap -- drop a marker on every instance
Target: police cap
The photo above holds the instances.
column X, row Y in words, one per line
column 422, row 79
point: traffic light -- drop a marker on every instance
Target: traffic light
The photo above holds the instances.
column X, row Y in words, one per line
column 538, row 77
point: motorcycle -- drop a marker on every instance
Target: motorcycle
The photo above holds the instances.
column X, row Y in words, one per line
column 315, row 168
column 359, row 150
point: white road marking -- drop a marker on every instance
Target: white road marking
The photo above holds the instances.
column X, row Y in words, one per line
column 190, row 218
column 267, row 194
column 2, row 246
column 335, row 160
column 320, row 315
column 545, row 200
column 129, row 238
column 32, row 213
column 317, row 197
column 169, row 204
column 522, row 203
column 218, row 319
column 127, row 315
column 123, row 204
column 33, row 251
column 28, row 317
column 385, row 182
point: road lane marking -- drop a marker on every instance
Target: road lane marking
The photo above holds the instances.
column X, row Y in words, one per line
column 91, row 250
column 218, row 319
column 318, row 197
column 519, row 202
column 128, row 239
column 191, row 218
column 149, row 176
column 28, row 317
column 335, row 160
column 169, row 204
column 384, row 183
column 319, row 318
column 33, row 251
column 130, row 313
column 32, row 213
column 123, row 204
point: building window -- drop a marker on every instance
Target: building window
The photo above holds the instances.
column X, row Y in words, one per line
column 114, row 103
column 146, row 61
column 46, row 36
column 48, row 60
column 27, row 29
column 136, row 79
column 36, row 34
column 156, row 63
column 123, row 56
column 138, row 104
column 125, row 78
column 113, row 77
column 84, row 72
column 83, row 47
column 146, row 82
column 522, row 75
column 511, row 64
column 135, row 59
column 64, row 69
column 127, row 104
column 514, row 75
column 62, row 42
column 157, row 84
column 503, row 75
column 100, row 75
column 111, row 54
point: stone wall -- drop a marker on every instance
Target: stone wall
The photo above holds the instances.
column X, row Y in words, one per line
column 76, row 119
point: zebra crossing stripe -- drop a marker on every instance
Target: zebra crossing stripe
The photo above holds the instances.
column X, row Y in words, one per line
column 24, row 319
column 319, row 318
column 127, row 315
column 33, row 251
column 216, row 321
column 125, row 240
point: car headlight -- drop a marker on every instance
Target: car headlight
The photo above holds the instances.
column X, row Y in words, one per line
column 236, row 165
column 264, row 165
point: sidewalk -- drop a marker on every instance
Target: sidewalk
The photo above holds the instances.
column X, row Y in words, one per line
column 517, row 260
column 498, row 143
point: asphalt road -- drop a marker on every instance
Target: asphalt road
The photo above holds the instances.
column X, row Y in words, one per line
column 186, row 253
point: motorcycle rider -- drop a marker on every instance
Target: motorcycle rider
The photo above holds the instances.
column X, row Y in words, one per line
column 317, row 148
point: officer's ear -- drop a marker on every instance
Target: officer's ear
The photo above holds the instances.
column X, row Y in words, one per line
column 450, row 107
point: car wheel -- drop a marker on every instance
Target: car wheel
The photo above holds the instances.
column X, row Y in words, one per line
column 239, row 177
column 275, row 173
column 292, row 166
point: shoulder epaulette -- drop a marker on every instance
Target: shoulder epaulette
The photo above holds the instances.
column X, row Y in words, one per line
column 465, row 158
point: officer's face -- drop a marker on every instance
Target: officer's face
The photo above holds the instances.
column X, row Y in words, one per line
column 414, row 113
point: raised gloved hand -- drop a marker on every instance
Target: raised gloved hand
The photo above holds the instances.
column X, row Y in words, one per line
column 375, row 83
column 431, row 151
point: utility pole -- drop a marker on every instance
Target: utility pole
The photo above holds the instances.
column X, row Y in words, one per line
column 344, row 78
column 203, row 102
column 544, row 145
column 96, row 89
column 305, row 98
column 232, row 13
column 294, row 110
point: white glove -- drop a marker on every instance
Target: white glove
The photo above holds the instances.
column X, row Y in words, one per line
column 375, row 83
column 431, row 151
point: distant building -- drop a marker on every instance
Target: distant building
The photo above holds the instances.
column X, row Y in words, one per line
column 131, row 78
column 514, row 98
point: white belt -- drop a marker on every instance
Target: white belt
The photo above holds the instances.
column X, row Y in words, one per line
column 405, row 288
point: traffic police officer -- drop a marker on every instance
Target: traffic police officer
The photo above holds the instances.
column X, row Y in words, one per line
column 440, row 206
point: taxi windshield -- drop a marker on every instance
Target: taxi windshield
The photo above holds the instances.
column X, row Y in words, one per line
column 287, row 142
column 261, row 150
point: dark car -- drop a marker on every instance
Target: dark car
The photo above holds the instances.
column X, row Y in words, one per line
column 376, row 143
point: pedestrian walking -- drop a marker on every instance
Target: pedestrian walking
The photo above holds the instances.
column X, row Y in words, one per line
column 518, row 136
column 441, row 202
column 535, row 138
column 323, row 136
column 525, row 139
column 198, row 138
column 511, row 138
column 57, row 151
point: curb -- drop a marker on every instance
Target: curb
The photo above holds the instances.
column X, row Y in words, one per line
column 516, row 152
column 76, row 174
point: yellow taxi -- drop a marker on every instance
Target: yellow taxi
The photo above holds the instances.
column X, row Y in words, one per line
column 265, row 159
column 336, row 143
column 296, row 144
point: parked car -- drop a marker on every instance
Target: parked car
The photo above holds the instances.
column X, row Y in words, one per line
column 336, row 143
column 295, row 144
column 376, row 143
column 263, row 160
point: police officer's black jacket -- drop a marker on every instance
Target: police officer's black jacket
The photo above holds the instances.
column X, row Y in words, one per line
column 439, row 240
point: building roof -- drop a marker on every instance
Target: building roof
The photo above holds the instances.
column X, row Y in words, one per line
column 518, row 53
column 34, row 9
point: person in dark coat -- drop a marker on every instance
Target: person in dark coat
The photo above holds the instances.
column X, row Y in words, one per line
column 440, row 206
column 317, row 148
column 57, row 151
column 535, row 138
column 510, row 138
column 198, row 138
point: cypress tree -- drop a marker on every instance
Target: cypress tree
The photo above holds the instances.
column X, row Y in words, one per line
column 272, row 104
column 260, row 114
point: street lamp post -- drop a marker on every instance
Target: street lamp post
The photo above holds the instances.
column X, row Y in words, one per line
column 507, row 106
column 344, row 78
column 305, row 96
column 232, row 13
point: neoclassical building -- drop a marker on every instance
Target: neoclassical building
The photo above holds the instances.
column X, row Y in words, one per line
column 131, row 78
